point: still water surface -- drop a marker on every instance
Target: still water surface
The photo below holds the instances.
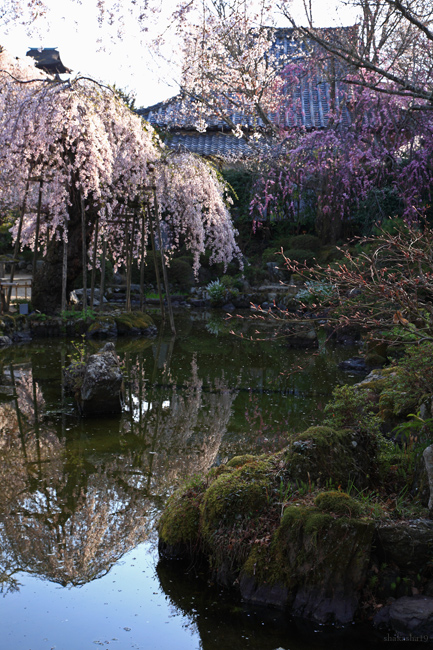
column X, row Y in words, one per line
column 79, row 498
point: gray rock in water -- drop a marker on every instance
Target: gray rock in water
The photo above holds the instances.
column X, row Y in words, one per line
column 355, row 364
column 410, row 616
column 102, row 388
column 406, row 543
column 5, row 341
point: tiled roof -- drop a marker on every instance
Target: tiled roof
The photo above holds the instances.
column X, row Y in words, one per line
column 211, row 143
column 307, row 106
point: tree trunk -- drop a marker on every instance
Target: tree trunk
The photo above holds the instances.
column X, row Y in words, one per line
column 47, row 282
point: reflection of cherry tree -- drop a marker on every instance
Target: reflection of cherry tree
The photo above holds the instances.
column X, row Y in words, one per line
column 68, row 512
column 72, row 520
column 64, row 515
column 30, row 399
column 76, row 539
column 181, row 427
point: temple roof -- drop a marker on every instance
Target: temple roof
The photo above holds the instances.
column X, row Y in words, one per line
column 306, row 104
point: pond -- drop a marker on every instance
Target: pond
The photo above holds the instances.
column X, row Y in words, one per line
column 79, row 497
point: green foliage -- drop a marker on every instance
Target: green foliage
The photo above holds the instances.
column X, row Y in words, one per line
column 232, row 282
column 6, row 222
column 240, row 183
column 180, row 272
column 406, row 388
column 217, row 292
column 378, row 207
column 255, row 275
column 38, row 316
column 282, row 243
column 74, row 371
column 271, row 255
column 416, row 430
column 300, row 255
column 305, row 242
column 316, row 292
column 350, row 408
column 88, row 314
column 368, row 500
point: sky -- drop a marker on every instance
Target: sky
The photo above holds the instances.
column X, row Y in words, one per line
column 126, row 59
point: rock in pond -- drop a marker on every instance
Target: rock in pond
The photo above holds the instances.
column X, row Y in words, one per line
column 98, row 385
column 408, row 544
column 322, row 563
column 301, row 335
column 410, row 617
column 355, row 364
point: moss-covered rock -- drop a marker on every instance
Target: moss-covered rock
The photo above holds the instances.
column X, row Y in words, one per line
column 233, row 496
column 374, row 360
column 179, row 526
column 7, row 323
column 338, row 503
column 322, row 455
column 311, row 559
column 238, row 461
column 102, row 327
column 407, row 544
column 134, row 322
column 318, row 562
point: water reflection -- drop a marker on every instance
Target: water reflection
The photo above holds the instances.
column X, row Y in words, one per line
column 76, row 495
column 67, row 515
column 74, row 502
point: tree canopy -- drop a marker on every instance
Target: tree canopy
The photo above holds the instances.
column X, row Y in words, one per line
column 94, row 157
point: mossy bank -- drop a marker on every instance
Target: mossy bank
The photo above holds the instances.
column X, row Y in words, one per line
column 15, row 328
column 313, row 528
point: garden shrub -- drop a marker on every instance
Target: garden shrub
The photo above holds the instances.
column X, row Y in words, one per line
column 305, row 242
column 180, row 272
column 271, row 255
column 300, row 255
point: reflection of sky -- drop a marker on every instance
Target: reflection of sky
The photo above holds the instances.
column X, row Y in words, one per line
column 125, row 610
column 143, row 407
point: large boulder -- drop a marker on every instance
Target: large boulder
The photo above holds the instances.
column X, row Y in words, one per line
column 410, row 617
column 408, row 544
column 316, row 564
column 101, row 390
column 322, row 454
